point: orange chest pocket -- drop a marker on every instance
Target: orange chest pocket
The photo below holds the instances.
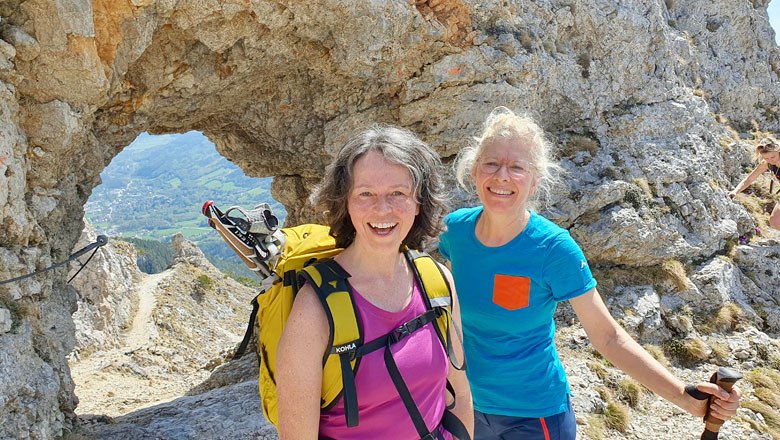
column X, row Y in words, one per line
column 511, row 292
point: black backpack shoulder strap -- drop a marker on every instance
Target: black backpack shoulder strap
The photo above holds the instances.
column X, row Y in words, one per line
column 437, row 298
column 329, row 281
column 250, row 329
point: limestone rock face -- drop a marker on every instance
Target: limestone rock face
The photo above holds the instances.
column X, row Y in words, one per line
column 106, row 293
column 641, row 98
column 214, row 414
column 758, row 277
column 186, row 251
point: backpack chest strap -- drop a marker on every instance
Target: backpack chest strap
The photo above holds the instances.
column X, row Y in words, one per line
column 399, row 333
column 385, row 342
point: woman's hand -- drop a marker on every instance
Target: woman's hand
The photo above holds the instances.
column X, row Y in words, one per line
column 622, row 351
column 749, row 179
column 724, row 406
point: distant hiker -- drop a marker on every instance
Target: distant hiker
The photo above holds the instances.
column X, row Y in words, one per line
column 381, row 194
column 767, row 153
column 511, row 268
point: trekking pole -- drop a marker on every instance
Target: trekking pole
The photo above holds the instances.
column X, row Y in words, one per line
column 100, row 241
column 725, row 378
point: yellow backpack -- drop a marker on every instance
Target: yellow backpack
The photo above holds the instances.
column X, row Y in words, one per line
column 303, row 254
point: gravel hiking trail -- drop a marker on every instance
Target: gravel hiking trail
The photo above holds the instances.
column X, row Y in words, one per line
column 127, row 378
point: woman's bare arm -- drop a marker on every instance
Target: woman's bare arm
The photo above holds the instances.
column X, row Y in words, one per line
column 747, row 181
column 612, row 341
column 299, row 367
column 464, row 408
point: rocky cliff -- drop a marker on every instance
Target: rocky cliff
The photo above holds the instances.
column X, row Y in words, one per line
column 186, row 322
column 105, row 293
column 648, row 101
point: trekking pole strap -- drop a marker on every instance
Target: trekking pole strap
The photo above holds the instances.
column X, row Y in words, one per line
column 100, row 241
column 695, row 393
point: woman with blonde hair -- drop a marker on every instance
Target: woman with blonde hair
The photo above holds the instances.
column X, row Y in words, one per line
column 768, row 155
column 526, row 266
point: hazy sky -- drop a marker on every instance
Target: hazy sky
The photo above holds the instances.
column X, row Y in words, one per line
column 774, row 18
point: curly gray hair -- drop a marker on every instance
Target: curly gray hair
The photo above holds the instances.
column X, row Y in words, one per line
column 398, row 146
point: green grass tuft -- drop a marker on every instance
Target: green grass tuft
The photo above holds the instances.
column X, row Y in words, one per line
column 617, row 416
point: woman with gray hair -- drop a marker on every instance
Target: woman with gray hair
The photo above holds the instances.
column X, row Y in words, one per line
column 381, row 195
column 527, row 265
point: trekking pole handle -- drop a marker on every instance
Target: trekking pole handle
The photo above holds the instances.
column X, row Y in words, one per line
column 725, row 378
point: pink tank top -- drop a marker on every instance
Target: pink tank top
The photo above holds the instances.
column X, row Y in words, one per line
column 422, row 361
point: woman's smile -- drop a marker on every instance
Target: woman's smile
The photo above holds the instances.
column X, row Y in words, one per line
column 381, row 203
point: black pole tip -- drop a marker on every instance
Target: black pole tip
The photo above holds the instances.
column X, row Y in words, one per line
column 727, row 374
column 709, row 435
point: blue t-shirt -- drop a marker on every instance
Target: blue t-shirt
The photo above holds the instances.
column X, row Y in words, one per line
column 508, row 295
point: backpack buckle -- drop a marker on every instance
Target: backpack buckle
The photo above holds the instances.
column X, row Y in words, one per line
column 399, row 333
column 406, row 329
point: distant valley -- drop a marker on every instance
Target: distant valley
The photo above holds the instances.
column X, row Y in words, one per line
column 155, row 188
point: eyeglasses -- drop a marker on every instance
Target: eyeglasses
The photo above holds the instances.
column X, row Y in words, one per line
column 766, row 146
column 517, row 169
